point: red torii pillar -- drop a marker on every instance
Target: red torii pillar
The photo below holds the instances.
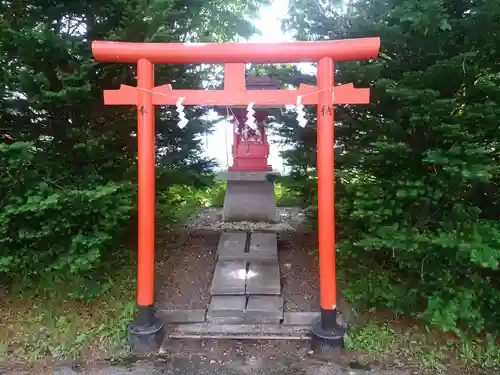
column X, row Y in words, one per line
column 147, row 331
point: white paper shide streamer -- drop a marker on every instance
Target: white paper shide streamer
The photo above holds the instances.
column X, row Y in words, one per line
column 301, row 114
column 181, row 114
column 250, row 122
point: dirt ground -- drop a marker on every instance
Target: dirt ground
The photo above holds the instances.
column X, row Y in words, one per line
column 185, row 276
column 299, row 272
column 226, row 357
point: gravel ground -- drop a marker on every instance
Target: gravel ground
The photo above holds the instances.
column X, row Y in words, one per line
column 222, row 357
column 290, row 219
column 186, row 273
column 230, row 357
column 190, row 367
column 299, row 273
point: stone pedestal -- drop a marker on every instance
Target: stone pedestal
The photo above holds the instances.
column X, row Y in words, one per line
column 249, row 197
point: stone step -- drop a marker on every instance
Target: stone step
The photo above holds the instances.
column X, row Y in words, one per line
column 239, row 310
column 238, row 278
column 227, row 309
column 232, row 246
column 264, row 309
column 239, row 331
column 263, row 279
column 258, row 246
column 263, row 247
column 229, row 278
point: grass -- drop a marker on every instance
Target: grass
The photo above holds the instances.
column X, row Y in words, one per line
column 85, row 317
column 387, row 337
column 216, row 194
column 390, row 338
column 54, row 326
column 403, row 343
column 46, row 326
column 383, row 336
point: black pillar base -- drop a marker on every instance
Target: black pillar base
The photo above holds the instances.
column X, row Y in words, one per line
column 328, row 336
column 146, row 333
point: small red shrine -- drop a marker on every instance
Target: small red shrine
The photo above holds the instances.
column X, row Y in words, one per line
column 250, row 145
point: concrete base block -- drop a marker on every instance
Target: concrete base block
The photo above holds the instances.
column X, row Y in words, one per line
column 263, row 247
column 300, row 318
column 182, row 316
column 232, row 246
column 250, row 201
column 240, row 331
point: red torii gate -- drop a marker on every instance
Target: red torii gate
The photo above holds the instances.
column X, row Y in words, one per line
column 147, row 329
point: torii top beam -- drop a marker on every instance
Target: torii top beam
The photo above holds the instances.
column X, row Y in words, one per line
column 234, row 56
column 218, row 53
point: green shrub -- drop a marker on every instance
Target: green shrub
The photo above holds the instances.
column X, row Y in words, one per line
column 48, row 230
column 417, row 173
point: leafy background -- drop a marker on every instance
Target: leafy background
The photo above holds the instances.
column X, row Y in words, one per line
column 417, row 170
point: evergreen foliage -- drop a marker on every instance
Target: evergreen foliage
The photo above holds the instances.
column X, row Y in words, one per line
column 417, row 170
column 68, row 162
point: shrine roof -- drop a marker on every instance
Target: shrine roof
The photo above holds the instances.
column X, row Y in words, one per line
column 262, row 82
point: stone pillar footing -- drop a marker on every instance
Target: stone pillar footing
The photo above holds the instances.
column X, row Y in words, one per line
column 146, row 333
column 328, row 336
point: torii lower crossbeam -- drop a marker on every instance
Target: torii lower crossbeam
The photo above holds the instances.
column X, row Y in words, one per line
column 147, row 332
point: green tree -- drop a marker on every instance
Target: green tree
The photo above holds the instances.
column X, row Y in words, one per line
column 417, row 171
column 68, row 163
